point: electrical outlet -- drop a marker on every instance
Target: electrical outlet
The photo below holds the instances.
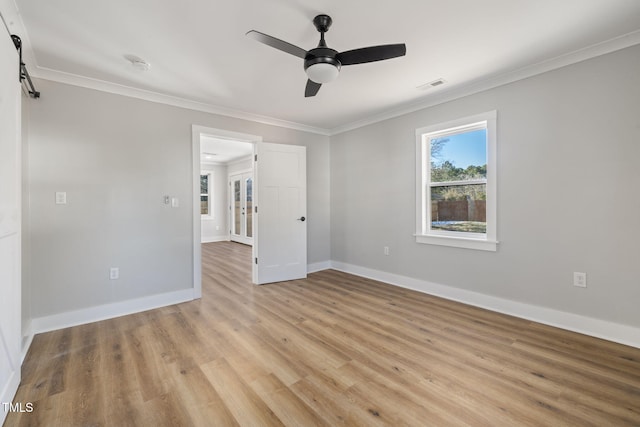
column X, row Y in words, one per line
column 579, row 279
column 386, row 250
column 114, row 273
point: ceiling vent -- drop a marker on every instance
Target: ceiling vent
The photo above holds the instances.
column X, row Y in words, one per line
column 430, row 85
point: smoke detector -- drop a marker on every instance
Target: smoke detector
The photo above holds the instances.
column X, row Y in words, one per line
column 138, row 63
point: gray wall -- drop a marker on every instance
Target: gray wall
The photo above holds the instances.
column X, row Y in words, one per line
column 239, row 166
column 568, row 176
column 116, row 157
column 219, row 205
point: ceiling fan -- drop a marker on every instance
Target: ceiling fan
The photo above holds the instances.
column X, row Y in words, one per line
column 322, row 64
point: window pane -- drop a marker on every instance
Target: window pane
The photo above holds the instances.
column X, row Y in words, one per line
column 204, row 205
column 204, row 184
column 459, row 208
column 459, row 157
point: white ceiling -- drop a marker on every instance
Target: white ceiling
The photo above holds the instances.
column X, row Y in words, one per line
column 221, row 151
column 201, row 58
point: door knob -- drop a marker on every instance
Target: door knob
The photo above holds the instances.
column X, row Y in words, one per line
column 302, row 219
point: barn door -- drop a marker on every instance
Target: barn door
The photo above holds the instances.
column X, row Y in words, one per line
column 10, row 282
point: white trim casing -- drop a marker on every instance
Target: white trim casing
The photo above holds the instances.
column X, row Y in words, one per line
column 197, row 225
column 456, row 242
column 484, row 242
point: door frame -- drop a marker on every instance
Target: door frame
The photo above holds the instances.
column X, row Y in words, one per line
column 196, row 132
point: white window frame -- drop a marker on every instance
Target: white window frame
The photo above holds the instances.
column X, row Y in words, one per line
column 479, row 241
column 209, row 175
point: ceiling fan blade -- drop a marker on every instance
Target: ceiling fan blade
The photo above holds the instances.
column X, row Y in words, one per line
column 277, row 43
column 372, row 54
column 311, row 89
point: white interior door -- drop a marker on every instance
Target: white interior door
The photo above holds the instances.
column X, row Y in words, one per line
column 241, row 208
column 280, row 248
column 10, row 281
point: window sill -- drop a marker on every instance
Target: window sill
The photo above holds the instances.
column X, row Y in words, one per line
column 458, row 242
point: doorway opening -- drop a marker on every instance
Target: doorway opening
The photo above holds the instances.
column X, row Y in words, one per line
column 278, row 188
column 219, row 154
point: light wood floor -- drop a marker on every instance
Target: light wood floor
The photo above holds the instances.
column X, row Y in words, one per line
column 330, row 350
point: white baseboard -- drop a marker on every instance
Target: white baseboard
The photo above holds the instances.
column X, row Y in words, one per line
column 108, row 311
column 318, row 266
column 213, row 239
column 610, row 331
column 27, row 338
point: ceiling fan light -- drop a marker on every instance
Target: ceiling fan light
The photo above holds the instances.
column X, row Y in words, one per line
column 322, row 72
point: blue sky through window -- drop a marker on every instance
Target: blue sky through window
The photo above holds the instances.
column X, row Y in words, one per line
column 464, row 149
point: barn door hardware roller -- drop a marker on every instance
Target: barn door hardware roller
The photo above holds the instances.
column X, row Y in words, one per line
column 23, row 74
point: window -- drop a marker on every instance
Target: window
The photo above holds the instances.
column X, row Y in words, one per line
column 205, row 195
column 456, row 183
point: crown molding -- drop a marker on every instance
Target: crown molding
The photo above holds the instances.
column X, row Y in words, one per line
column 147, row 95
column 612, row 45
column 212, row 163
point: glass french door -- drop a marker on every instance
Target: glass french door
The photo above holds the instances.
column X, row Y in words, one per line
column 241, row 208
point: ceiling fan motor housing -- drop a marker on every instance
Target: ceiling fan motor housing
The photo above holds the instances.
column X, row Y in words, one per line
column 321, row 64
column 321, row 55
